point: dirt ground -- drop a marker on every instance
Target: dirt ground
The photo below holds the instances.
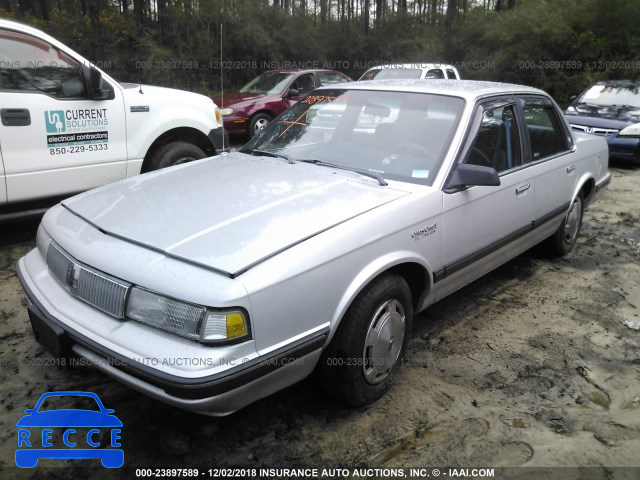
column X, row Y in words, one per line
column 530, row 366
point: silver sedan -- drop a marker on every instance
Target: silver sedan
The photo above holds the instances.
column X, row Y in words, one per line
column 218, row 282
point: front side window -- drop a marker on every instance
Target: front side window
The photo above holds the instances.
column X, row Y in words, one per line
column 497, row 144
column 451, row 74
column 398, row 135
column 304, row 84
column 545, row 132
column 29, row 64
column 326, row 78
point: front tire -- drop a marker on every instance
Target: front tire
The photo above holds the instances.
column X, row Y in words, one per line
column 174, row 153
column 363, row 358
column 563, row 241
column 258, row 123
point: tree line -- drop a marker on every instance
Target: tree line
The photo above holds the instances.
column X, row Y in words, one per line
column 560, row 46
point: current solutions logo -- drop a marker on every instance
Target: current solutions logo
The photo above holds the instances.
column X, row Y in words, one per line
column 54, row 121
column 52, row 429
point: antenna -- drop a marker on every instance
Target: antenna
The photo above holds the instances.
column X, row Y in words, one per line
column 221, row 89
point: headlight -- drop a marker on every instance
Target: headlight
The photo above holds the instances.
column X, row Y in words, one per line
column 185, row 319
column 630, row 131
column 227, row 111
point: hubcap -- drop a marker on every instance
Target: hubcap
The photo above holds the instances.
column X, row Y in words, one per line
column 183, row 160
column 384, row 340
column 259, row 126
column 573, row 221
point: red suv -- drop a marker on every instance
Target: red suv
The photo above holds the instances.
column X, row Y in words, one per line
column 265, row 97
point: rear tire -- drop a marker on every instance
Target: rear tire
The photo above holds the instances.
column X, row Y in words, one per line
column 174, row 153
column 563, row 241
column 366, row 352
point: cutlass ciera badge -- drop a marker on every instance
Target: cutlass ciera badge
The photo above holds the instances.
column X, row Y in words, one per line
column 424, row 232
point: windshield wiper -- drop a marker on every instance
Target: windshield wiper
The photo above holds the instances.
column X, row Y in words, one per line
column 266, row 153
column 366, row 173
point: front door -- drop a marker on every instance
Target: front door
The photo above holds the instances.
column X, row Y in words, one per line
column 54, row 139
column 478, row 221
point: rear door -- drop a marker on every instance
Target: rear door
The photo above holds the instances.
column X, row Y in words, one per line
column 54, row 139
column 552, row 160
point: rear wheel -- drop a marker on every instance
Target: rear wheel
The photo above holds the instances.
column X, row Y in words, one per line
column 174, row 153
column 363, row 358
column 563, row 241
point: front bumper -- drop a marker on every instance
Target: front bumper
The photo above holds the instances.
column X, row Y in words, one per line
column 622, row 148
column 218, row 394
column 220, row 139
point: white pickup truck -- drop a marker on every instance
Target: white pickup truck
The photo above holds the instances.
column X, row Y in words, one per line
column 66, row 126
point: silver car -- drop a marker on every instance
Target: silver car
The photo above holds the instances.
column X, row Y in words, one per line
column 215, row 283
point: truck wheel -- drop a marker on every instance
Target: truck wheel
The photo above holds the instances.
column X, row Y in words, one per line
column 174, row 153
column 563, row 241
column 258, row 123
column 363, row 358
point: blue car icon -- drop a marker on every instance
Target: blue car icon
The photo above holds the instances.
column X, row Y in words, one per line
column 69, row 433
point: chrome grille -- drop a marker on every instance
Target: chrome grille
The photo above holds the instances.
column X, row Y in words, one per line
column 60, row 266
column 101, row 292
column 92, row 287
column 594, row 130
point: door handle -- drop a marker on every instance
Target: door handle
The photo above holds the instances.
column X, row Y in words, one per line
column 15, row 117
column 571, row 168
column 522, row 189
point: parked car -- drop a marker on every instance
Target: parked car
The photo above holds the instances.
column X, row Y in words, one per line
column 395, row 71
column 610, row 109
column 224, row 280
column 66, row 126
column 249, row 110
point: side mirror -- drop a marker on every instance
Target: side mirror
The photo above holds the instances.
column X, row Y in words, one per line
column 98, row 89
column 572, row 98
column 467, row 175
column 293, row 92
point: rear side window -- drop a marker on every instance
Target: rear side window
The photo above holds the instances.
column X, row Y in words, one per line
column 546, row 134
column 435, row 73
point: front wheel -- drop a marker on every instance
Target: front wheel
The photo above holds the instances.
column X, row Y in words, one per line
column 174, row 153
column 363, row 358
column 258, row 123
column 563, row 241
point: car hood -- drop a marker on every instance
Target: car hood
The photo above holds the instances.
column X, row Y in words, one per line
column 230, row 212
column 623, row 114
column 152, row 97
column 237, row 98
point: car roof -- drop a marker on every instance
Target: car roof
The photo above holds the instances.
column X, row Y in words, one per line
column 618, row 83
column 415, row 65
column 467, row 89
column 301, row 70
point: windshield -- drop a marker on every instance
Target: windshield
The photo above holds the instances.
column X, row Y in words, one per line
column 269, row 82
column 398, row 135
column 398, row 73
column 612, row 94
